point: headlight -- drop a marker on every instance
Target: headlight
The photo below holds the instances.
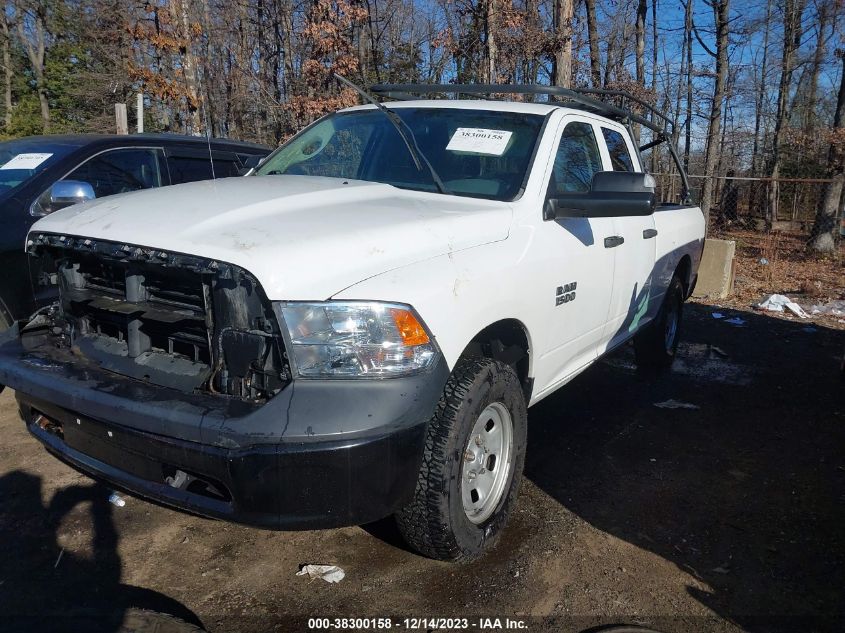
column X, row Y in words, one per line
column 356, row 339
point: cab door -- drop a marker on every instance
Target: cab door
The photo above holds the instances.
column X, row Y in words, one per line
column 579, row 269
column 632, row 303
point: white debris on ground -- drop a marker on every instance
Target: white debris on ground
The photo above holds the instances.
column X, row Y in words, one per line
column 116, row 500
column 833, row 308
column 329, row 573
column 675, row 404
column 779, row 303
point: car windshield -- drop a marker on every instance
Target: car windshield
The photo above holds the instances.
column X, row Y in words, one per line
column 23, row 159
column 477, row 153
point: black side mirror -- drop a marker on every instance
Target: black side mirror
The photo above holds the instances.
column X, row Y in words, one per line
column 612, row 194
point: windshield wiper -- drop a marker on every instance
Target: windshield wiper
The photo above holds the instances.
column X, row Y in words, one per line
column 404, row 131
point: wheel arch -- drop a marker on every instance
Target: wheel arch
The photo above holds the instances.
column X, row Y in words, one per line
column 684, row 272
column 506, row 340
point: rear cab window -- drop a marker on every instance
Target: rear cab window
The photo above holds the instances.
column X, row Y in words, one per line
column 617, row 148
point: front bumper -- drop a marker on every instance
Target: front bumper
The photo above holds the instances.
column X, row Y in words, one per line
column 319, row 454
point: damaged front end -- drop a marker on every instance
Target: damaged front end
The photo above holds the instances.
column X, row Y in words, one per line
column 179, row 321
column 166, row 375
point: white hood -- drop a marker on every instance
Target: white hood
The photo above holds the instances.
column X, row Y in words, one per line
column 303, row 237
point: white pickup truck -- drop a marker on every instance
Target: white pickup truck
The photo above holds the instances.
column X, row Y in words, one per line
column 357, row 329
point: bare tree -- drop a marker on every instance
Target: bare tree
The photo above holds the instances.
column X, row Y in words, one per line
column 824, row 11
column 824, row 232
column 7, row 24
column 32, row 28
column 492, row 51
column 721, row 12
column 564, row 11
column 761, row 91
column 792, row 13
column 688, row 27
column 593, row 38
column 642, row 11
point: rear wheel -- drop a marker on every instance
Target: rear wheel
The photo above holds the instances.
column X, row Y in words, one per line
column 472, row 464
column 655, row 346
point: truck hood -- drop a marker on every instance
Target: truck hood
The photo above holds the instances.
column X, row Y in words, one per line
column 303, row 237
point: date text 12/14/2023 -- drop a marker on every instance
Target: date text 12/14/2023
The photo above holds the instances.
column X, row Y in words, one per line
column 418, row 623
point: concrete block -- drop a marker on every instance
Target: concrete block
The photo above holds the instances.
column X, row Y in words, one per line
column 716, row 272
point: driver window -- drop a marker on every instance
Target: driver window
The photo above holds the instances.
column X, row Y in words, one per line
column 120, row 171
column 576, row 161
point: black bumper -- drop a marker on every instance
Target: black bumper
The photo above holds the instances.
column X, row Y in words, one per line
column 319, row 454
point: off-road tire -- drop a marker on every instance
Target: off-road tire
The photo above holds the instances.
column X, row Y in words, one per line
column 651, row 349
column 434, row 523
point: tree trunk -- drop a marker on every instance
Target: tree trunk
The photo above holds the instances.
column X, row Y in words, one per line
column 593, row 37
column 8, row 73
column 792, row 11
column 815, row 69
column 535, row 22
column 563, row 52
column 179, row 13
column 639, row 61
column 36, row 51
column 688, row 123
column 655, row 153
column 711, row 153
column 761, row 94
column 824, row 233
column 492, row 50
column 642, row 9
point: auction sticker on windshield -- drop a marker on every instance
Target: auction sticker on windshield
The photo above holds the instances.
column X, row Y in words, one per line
column 479, row 141
column 26, row 161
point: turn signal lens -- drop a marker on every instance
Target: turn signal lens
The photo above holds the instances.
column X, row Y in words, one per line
column 410, row 330
column 356, row 339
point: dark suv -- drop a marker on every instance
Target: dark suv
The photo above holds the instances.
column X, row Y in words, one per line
column 41, row 174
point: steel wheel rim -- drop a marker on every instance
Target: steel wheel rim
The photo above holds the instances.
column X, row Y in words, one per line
column 671, row 328
column 486, row 463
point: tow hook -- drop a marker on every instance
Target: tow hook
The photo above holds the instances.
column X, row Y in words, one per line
column 180, row 480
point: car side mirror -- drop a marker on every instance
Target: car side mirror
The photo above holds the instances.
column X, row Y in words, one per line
column 63, row 193
column 612, row 194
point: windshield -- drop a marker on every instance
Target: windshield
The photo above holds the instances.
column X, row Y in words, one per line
column 476, row 153
column 25, row 158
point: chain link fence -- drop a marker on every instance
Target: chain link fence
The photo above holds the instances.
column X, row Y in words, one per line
column 741, row 201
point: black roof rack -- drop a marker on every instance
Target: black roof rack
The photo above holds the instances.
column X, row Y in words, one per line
column 579, row 96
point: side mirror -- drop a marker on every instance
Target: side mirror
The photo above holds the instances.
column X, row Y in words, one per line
column 612, row 194
column 63, row 193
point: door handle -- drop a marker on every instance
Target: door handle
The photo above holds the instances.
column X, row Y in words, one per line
column 649, row 233
column 613, row 241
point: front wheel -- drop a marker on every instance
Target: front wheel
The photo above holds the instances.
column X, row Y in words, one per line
column 656, row 345
column 472, row 463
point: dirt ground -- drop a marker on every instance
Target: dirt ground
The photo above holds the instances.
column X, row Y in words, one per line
column 779, row 263
column 725, row 517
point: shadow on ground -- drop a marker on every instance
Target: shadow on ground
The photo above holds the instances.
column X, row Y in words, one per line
column 45, row 588
column 746, row 492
